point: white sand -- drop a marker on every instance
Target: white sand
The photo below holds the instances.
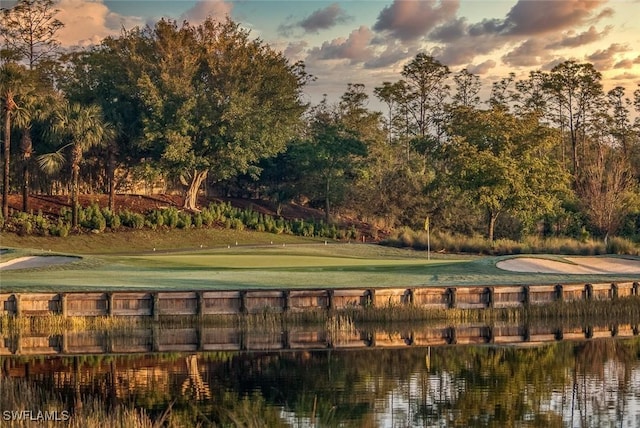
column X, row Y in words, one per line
column 575, row 265
column 36, row 261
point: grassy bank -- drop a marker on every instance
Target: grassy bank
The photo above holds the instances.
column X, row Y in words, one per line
column 141, row 241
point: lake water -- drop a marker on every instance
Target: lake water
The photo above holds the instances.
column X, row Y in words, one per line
column 559, row 383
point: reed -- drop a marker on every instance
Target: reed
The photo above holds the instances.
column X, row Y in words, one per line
column 58, row 324
column 18, row 395
column 625, row 309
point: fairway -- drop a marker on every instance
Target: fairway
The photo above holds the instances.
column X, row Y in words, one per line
column 301, row 266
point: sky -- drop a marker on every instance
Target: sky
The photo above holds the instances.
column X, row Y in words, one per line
column 369, row 41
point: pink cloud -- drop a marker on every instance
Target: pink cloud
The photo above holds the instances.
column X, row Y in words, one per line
column 409, row 20
column 203, row 9
column 88, row 23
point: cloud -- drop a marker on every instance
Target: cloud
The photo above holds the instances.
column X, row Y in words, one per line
column 409, row 20
column 88, row 23
column 529, row 18
column 528, row 54
column 604, row 59
column 355, row 48
column 482, row 68
column 451, row 31
column 391, row 54
column 572, row 40
column 465, row 49
column 626, row 76
column 203, row 9
column 321, row 19
column 295, row 50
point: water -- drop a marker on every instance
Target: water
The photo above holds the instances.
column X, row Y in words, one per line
column 569, row 383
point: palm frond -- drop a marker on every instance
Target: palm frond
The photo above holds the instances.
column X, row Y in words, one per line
column 51, row 162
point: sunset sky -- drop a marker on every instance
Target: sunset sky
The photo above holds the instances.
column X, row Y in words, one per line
column 369, row 41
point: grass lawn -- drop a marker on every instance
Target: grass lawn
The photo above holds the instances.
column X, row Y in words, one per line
column 274, row 266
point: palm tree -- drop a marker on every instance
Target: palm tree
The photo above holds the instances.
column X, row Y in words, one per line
column 80, row 128
column 12, row 82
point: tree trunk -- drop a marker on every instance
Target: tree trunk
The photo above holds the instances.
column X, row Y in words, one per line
column 492, row 224
column 7, row 152
column 191, row 197
column 9, row 106
column 111, row 172
column 26, row 147
column 327, row 203
column 75, row 178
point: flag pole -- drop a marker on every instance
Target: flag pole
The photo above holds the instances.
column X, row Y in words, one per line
column 426, row 227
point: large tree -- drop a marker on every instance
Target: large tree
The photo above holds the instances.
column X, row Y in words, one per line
column 502, row 162
column 214, row 101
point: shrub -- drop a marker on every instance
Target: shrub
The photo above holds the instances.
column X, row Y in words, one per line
column 92, row 218
column 131, row 219
column 198, row 220
column 618, row 245
column 156, row 217
column 184, row 220
column 171, row 217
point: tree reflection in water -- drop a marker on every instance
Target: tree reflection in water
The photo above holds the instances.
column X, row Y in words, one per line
column 577, row 384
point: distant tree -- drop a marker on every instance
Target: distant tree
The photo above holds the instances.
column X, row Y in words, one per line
column 29, row 31
column 467, row 89
column 425, row 78
column 576, row 90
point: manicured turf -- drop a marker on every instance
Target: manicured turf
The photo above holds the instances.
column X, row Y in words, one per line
column 276, row 266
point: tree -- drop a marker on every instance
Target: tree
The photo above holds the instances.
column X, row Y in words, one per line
column 502, row 163
column 29, row 30
column 327, row 158
column 14, row 92
column 607, row 190
column 80, row 128
column 577, row 92
column 425, row 77
column 96, row 77
column 214, row 101
column 467, row 89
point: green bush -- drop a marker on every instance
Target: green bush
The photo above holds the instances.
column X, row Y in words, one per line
column 184, row 220
column 92, row 218
column 171, row 217
column 131, row 219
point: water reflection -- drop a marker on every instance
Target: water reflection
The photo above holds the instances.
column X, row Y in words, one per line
column 586, row 383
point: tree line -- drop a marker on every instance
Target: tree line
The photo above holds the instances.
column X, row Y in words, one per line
column 207, row 106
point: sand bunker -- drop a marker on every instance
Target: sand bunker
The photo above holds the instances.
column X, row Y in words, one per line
column 574, row 265
column 36, row 261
